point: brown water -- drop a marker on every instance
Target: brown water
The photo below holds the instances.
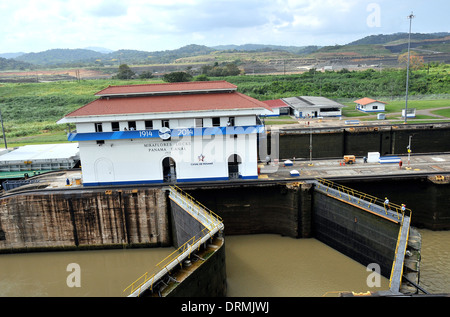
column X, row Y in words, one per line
column 257, row 265
column 274, row 266
column 102, row 272
column 435, row 261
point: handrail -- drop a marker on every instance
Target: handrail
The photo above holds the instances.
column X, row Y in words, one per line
column 216, row 222
column 364, row 196
column 194, row 201
column 163, row 264
column 372, row 199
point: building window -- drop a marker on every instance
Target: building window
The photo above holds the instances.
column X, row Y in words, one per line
column 98, row 127
column 131, row 125
column 230, row 122
column 165, row 124
column 199, row 123
column 374, row 107
column 115, row 126
column 216, row 122
column 100, row 142
column 149, row 125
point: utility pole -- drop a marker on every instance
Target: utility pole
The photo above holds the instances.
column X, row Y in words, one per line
column 409, row 149
column 310, row 148
column 410, row 17
column 3, row 131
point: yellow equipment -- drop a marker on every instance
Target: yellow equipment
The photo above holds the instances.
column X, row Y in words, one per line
column 349, row 159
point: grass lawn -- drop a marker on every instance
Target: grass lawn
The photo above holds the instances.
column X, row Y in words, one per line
column 44, row 138
column 442, row 112
column 398, row 106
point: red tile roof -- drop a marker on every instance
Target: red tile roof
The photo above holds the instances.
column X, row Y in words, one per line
column 366, row 101
column 277, row 103
column 167, row 88
column 168, row 103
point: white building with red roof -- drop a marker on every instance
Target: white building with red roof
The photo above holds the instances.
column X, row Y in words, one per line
column 370, row 105
column 194, row 131
column 278, row 107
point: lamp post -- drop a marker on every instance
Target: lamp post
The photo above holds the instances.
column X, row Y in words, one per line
column 409, row 149
column 3, row 131
column 410, row 17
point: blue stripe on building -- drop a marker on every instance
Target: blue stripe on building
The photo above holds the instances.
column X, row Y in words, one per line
column 148, row 134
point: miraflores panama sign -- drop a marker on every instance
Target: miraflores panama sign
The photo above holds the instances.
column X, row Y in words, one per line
column 167, row 147
column 164, row 133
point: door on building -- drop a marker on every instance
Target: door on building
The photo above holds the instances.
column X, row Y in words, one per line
column 169, row 170
column 234, row 162
column 104, row 170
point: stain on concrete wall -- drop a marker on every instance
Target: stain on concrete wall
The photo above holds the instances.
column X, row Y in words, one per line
column 81, row 219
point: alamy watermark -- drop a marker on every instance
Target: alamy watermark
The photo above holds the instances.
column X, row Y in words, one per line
column 374, row 18
column 74, row 278
column 374, row 278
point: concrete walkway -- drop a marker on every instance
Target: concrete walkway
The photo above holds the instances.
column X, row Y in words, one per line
column 333, row 168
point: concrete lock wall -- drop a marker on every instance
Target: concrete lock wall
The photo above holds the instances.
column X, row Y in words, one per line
column 360, row 235
column 64, row 220
column 336, row 142
column 253, row 209
column 299, row 211
column 426, row 198
column 208, row 279
column 184, row 226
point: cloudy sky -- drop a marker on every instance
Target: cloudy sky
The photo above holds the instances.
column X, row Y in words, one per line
column 152, row 25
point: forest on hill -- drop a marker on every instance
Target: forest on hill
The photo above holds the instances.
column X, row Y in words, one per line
column 33, row 108
column 379, row 45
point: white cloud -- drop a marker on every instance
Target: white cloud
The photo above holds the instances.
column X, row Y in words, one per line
column 36, row 25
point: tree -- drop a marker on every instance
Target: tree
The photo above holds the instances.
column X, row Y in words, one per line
column 146, row 75
column 201, row 77
column 415, row 61
column 125, row 72
column 177, row 77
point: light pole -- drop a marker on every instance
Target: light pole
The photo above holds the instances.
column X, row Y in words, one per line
column 409, row 149
column 410, row 17
column 3, row 131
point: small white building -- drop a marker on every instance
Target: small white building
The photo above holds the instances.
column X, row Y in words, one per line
column 410, row 113
column 370, row 105
column 182, row 132
column 278, row 106
column 313, row 107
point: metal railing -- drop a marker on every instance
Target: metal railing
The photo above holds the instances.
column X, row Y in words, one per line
column 346, row 193
column 349, row 194
column 212, row 222
column 196, row 209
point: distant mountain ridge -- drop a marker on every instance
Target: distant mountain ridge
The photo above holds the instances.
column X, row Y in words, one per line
column 54, row 57
column 263, row 47
column 92, row 56
column 387, row 38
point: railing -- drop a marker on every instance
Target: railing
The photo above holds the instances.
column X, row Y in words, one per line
column 350, row 194
column 196, row 209
column 346, row 193
column 212, row 222
column 139, row 283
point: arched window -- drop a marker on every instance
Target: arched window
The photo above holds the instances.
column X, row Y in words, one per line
column 234, row 162
column 169, row 170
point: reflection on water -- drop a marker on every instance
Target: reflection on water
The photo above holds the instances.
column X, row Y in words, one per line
column 257, row 265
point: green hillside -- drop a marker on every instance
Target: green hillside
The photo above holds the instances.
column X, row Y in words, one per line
column 30, row 111
column 375, row 45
